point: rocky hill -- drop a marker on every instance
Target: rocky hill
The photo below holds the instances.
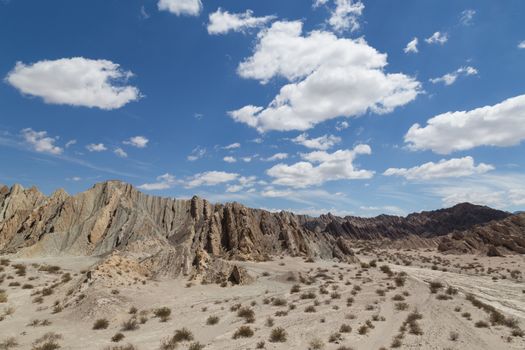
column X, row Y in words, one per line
column 175, row 236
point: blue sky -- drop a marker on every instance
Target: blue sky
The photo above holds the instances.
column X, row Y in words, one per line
column 354, row 107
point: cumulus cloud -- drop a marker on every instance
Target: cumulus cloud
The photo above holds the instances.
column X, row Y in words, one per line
column 40, row 142
column 437, row 38
column 521, row 45
column 342, row 125
column 137, row 141
column 197, row 153
column 229, row 159
column 75, row 81
column 243, row 183
column 467, row 17
column 329, row 77
column 96, row 147
column 233, row 146
column 222, row 22
column 181, row 7
column 210, row 178
column 499, row 125
column 277, row 156
column 120, row 152
column 70, row 143
column 319, row 167
column 456, row 167
column 505, row 191
column 346, row 14
column 450, row 78
column 412, row 46
column 322, row 143
column 164, row 182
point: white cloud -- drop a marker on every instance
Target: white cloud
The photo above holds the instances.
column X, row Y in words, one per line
column 233, row 146
column 40, row 142
column 328, row 167
column 450, row 78
column 137, row 141
column 521, row 45
column 96, row 147
column 342, row 125
column 75, row 81
column 164, row 182
column 181, row 7
column 504, row 191
column 196, row 153
column 271, row 192
column 467, row 17
column 345, row 15
column 229, row 159
column 499, row 125
column 322, row 143
column 437, row 38
column 246, row 159
column 456, row 167
column 120, row 152
column 244, row 182
column 277, row 156
column 211, row 178
column 70, row 143
column 329, row 77
column 221, row 22
column 412, row 46
column 318, row 3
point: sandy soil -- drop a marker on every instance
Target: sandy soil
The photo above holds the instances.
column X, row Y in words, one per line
column 191, row 305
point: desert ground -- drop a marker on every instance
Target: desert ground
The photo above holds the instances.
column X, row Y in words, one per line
column 405, row 299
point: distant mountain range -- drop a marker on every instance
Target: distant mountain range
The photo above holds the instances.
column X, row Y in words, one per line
column 182, row 235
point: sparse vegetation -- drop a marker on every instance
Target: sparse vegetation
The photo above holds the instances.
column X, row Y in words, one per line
column 278, row 335
column 101, row 323
column 243, row 332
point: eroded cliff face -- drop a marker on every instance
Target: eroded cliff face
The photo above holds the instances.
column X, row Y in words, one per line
column 173, row 236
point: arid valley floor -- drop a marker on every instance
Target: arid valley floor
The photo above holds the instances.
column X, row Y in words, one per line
column 406, row 299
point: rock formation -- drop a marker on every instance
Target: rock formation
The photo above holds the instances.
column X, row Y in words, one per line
column 170, row 236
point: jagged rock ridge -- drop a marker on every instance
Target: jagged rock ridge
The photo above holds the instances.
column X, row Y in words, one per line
column 177, row 236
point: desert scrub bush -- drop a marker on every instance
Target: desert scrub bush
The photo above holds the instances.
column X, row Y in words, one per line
column 310, row 308
column 27, row 286
column 380, row 292
column 129, row 325
column 260, row 345
column 443, row 297
column 269, row 322
column 401, row 306
column 246, row 313
column 345, row 328
column 243, row 332
column 400, row 280
column 133, row 310
column 121, row 347
column 46, row 292
column 48, row 341
column 335, row 337
column 162, row 313
column 398, row 297
column 481, row 324
column 14, row 284
column 212, row 320
column 49, row 268
column 4, row 262
column 281, row 313
column 363, row 329
column 295, row 289
column 101, row 323
column 3, row 296
column 278, row 335
column 279, row 302
column 386, row 269
column 453, row 336
column 117, row 337
column 316, row 344
column 196, row 346
column 308, row 295
column 435, row 286
column 8, row 343
column 335, row 295
column 466, row 315
column 182, row 334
